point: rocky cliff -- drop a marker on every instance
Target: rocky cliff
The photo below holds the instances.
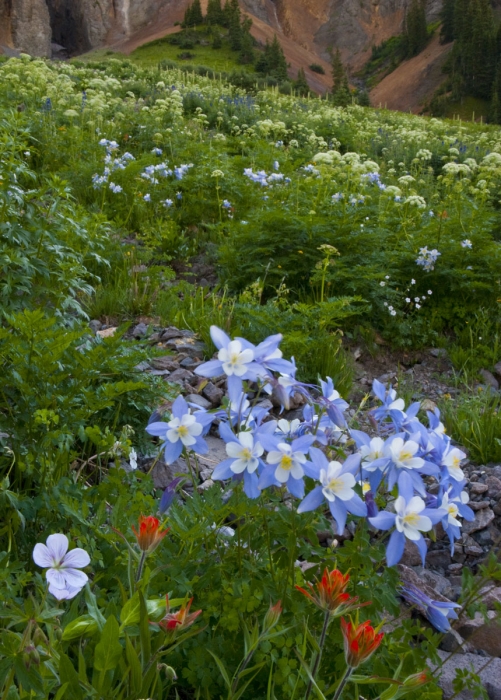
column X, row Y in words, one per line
column 78, row 25
column 353, row 26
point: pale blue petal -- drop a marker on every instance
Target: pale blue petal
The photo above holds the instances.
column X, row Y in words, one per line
column 179, row 407
column 157, row 429
column 339, row 512
column 356, row 506
column 172, row 451
column 295, row 486
column 312, row 501
column 395, row 548
column 383, row 520
column 251, row 488
column 223, row 470
column 219, row 337
column 213, row 368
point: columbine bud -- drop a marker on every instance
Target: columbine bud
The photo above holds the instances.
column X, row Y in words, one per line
column 360, row 642
column 272, row 616
column 170, row 674
column 150, row 535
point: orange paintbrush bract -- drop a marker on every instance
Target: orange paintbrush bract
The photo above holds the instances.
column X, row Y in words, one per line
column 180, row 619
column 150, row 535
column 330, row 593
column 360, row 642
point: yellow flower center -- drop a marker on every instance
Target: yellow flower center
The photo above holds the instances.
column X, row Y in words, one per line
column 246, row 454
column 410, row 519
column 183, row 431
column 405, row 455
column 286, row 462
column 452, row 509
column 335, row 484
column 456, row 462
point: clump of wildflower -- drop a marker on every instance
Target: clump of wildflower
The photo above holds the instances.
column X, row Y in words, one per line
column 360, row 642
column 427, row 258
column 329, row 594
column 63, row 575
column 150, row 534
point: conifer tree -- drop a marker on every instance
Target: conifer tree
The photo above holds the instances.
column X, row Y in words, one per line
column 339, row 77
column 233, row 18
column 301, row 84
column 415, row 29
column 196, row 13
column 246, row 54
column 447, row 17
column 214, row 13
column 278, row 62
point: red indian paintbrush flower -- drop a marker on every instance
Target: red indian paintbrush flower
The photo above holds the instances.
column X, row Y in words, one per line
column 360, row 642
column 330, row 593
column 180, row 619
column 272, row 616
column 150, row 535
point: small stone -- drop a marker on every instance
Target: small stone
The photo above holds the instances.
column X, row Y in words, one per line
column 439, row 558
column 179, row 376
column 454, row 568
column 490, row 676
column 95, row 325
column 164, row 362
column 205, row 485
column 477, row 487
column 189, row 363
column 213, row 394
column 411, row 555
column 438, row 352
column 489, row 378
column 452, row 641
column 474, row 551
column 265, row 403
column 170, row 333
column 198, row 400
column 107, row 332
column 139, row 331
column 479, row 505
column 482, row 520
column 483, row 634
column 428, row 405
column 190, row 346
column 142, row 366
column 491, row 597
column 494, row 486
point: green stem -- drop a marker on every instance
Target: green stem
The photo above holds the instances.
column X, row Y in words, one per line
column 140, row 567
column 318, row 658
column 344, row 680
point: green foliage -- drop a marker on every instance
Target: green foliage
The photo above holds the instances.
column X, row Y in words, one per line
column 272, row 61
column 317, row 68
column 57, row 383
column 415, row 35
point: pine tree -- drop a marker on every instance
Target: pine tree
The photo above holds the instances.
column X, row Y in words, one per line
column 196, row 13
column 415, row 29
column 214, row 13
column 234, row 25
column 246, row 54
column 277, row 61
column 339, row 77
column 301, row 84
column 447, row 17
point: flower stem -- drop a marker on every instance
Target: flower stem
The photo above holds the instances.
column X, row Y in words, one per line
column 344, row 680
column 318, row 658
column 140, row 567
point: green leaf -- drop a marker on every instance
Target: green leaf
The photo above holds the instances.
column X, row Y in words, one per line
column 62, row 690
column 78, row 628
column 109, row 650
column 129, row 615
column 136, row 674
column 93, row 608
column 67, row 674
column 144, row 630
column 222, row 669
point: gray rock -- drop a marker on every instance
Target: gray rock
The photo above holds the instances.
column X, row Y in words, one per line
column 483, row 519
column 189, row 346
column 164, row 362
column 438, row 352
column 189, row 363
column 139, row 331
column 482, row 634
column 213, row 394
column 170, row 333
column 159, row 372
column 199, row 401
column 180, row 376
column 439, row 558
column 477, row 487
column 142, row 366
column 491, row 597
column 489, row 378
column 95, row 325
column 490, row 675
column 411, row 555
column 479, row 505
column 452, row 641
column 494, row 486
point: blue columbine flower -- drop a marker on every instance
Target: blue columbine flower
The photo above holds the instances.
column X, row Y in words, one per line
column 183, row 431
column 437, row 612
column 454, row 504
column 410, row 519
column 287, row 463
column 236, row 358
column 336, row 487
column 244, row 458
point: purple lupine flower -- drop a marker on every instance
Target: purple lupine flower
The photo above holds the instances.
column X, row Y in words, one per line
column 183, row 431
column 437, row 612
column 63, row 575
column 336, row 487
column 410, row 519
